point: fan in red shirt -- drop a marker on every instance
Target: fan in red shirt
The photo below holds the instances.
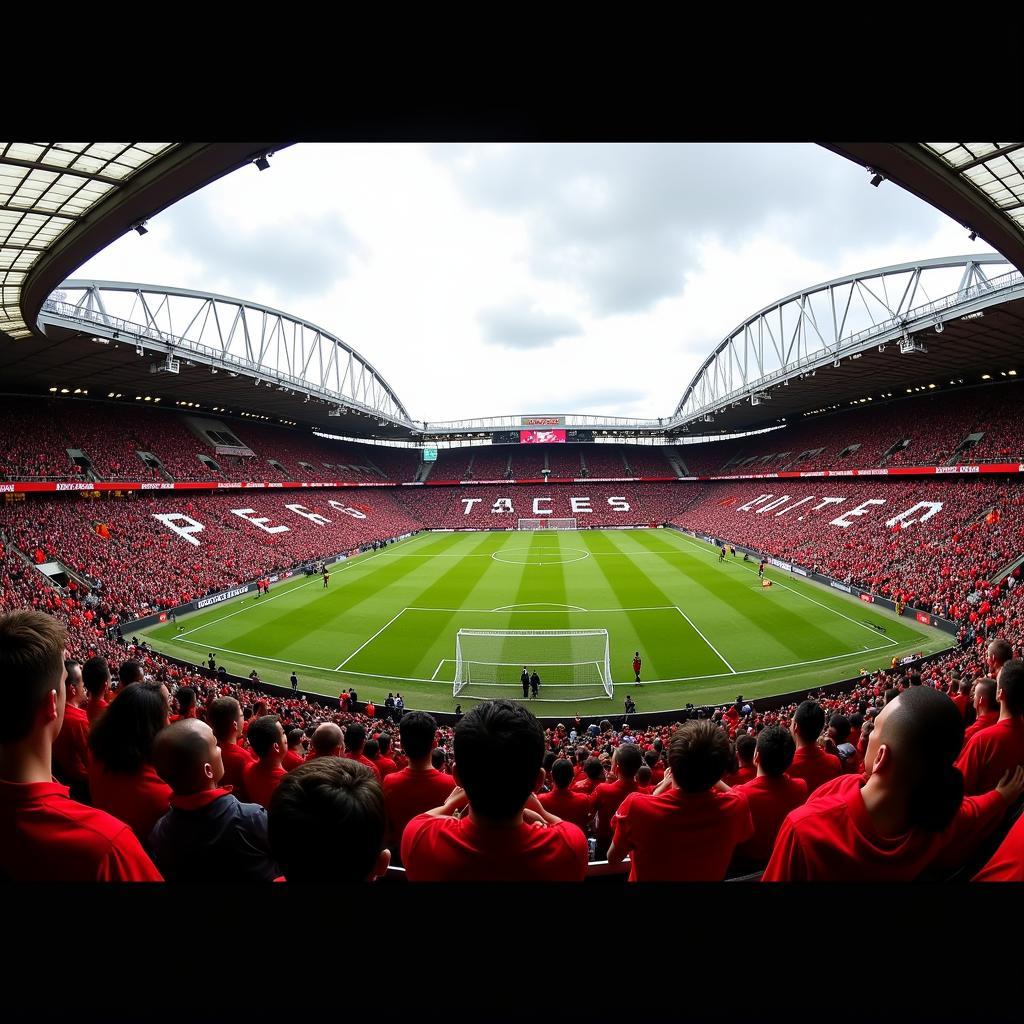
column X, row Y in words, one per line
column 562, row 801
column 770, row 796
column 328, row 741
column 355, row 740
column 810, row 762
column 961, row 696
column 986, row 707
column 1007, row 863
column 499, row 750
column 269, row 744
column 96, row 677
column 999, row 748
column 593, row 776
column 840, row 744
column 908, row 814
column 418, row 788
column 122, row 779
column 71, row 747
column 607, row 796
column 653, row 759
column 186, row 698
column 745, row 747
column 294, row 755
column 326, row 823
column 44, row 835
column 384, row 761
column 688, row 830
column 226, row 720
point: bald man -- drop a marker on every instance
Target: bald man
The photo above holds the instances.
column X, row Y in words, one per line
column 328, row 741
column 208, row 835
column 907, row 814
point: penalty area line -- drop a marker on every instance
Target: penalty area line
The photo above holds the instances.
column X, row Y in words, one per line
column 372, row 638
column 721, row 657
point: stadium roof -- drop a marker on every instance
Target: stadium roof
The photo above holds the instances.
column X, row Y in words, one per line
column 62, row 202
column 979, row 184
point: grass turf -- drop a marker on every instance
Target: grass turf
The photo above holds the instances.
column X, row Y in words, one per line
column 706, row 632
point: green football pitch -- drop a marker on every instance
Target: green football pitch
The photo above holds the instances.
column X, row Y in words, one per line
column 705, row 631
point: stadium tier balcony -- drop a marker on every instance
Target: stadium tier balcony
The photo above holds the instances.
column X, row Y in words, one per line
column 491, row 463
column 604, row 460
column 564, row 461
column 648, row 461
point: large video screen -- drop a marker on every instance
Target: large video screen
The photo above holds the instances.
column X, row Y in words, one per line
column 542, row 436
column 430, row 453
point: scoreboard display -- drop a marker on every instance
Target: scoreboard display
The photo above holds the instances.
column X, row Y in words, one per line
column 430, row 453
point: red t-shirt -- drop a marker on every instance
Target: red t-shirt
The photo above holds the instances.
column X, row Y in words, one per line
column 681, row 837
column 261, row 780
column 71, row 747
column 743, row 774
column 139, row 800
column 832, row 838
column 962, row 702
column 770, row 800
column 1007, row 863
column 411, row 792
column 94, row 709
column 363, row 759
column 586, row 786
column 291, row 761
column 983, row 721
column 814, row 766
column 990, row 753
column 45, row 836
column 564, row 803
column 458, row 850
column 387, row 767
column 236, row 759
column 606, row 799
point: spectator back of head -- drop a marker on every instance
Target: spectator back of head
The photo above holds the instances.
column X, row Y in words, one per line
column 775, row 750
column 130, row 672
column 1010, row 686
column 699, row 755
column 809, row 720
column 417, row 730
column 96, row 675
column 31, row 665
column 222, row 714
column 122, row 738
column 263, row 734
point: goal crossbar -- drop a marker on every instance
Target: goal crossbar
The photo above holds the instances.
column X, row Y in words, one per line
column 547, row 524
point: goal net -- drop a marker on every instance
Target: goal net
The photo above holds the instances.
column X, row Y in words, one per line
column 572, row 664
column 547, row 524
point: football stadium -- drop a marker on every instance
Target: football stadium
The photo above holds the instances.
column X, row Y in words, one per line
column 260, row 622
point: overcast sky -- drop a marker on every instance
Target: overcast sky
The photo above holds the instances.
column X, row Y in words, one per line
column 490, row 279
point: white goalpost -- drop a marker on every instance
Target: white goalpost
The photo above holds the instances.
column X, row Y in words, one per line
column 547, row 524
column 572, row 664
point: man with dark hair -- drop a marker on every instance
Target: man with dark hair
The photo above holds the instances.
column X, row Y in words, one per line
column 810, row 762
column 129, row 672
column 71, row 747
column 293, row 756
column 355, row 740
column 770, row 796
column 420, row 786
column 915, row 678
column 96, row 678
column 384, row 761
column 186, row 698
column 908, row 812
column 207, row 835
column 534, row 684
column 1000, row 748
column 960, row 695
column 593, row 776
column 746, row 747
column 562, row 801
column 839, row 730
column 44, row 834
column 525, row 680
column 998, row 654
column 226, row 720
column 891, row 694
column 986, row 707
column 327, row 822
column 499, row 749
column 295, row 683
column 688, row 829
column 608, row 795
column 269, row 744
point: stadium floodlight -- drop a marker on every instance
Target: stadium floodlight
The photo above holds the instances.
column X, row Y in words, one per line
column 140, row 227
column 569, row 662
column 939, row 326
column 973, row 235
column 547, row 524
column 262, row 163
column 909, row 344
column 876, row 177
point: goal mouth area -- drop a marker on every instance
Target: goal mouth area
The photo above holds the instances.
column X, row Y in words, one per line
column 547, row 524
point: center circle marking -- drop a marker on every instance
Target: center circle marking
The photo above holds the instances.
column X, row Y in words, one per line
column 547, row 560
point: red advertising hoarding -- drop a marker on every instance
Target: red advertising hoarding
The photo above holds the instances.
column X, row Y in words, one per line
column 542, row 436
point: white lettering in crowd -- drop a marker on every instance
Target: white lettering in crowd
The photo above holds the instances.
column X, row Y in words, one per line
column 846, row 519
column 249, row 514
column 537, row 510
column 469, row 503
column 756, row 501
column 619, row 504
column 933, row 507
column 353, row 512
column 313, row 517
column 171, row 520
column 827, row 501
column 217, row 598
column 502, row 506
column 796, row 504
column 773, row 504
column 580, row 505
